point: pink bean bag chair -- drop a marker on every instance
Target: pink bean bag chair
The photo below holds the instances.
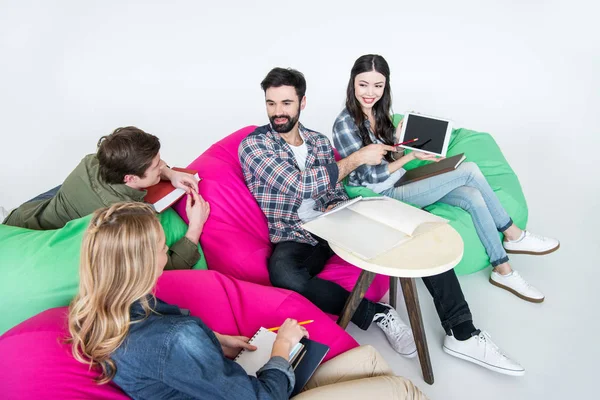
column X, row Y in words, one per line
column 36, row 364
column 235, row 239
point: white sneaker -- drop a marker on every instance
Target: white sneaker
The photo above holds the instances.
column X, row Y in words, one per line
column 397, row 332
column 518, row 286
column 531, row 244
column 481, row 350
column 3, row 214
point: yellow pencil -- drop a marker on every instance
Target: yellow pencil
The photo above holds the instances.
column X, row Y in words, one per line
column 299, row 323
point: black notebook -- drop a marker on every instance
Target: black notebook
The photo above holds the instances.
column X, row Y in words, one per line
column 307, row 362
column 433, row 169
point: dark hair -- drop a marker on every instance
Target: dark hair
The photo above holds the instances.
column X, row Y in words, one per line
column 285, row 77
column 384, row 128
column 126, row 151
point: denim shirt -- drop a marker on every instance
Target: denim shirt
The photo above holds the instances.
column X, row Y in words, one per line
column 170, row 355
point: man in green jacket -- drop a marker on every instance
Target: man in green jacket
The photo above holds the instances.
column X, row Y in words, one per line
column 127, row 162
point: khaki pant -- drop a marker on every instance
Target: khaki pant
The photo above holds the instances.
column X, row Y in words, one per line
column 360, row 373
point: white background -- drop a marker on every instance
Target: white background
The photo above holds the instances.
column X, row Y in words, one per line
column 189, row 72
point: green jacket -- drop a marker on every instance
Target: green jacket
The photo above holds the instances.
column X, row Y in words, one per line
column 82, row 193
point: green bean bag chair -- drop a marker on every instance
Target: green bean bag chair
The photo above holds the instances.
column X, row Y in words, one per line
column 40, row 269
column 480, row 148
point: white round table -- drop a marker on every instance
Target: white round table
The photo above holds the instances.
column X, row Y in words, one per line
column 429, row 254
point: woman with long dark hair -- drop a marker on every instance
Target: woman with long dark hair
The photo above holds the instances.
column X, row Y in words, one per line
column 367, row 119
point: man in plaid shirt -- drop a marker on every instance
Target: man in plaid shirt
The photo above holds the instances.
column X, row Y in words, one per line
column 292, row 173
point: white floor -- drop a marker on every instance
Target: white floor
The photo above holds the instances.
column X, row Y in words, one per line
column 556, row 341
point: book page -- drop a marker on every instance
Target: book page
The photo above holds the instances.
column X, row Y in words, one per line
column 398, row 215
column 252, row 361
column 356, row 233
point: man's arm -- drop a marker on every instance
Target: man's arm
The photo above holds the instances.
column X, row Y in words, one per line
column 184, row 253
column 368, row 155
column 178, row 179
column 274, row 172
column 348, row 142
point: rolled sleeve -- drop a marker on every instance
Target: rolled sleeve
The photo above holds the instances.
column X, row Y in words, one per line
column 183, row 254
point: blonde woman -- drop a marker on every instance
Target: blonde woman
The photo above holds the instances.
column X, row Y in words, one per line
column 154, row 350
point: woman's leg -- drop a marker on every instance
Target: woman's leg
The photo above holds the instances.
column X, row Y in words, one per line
column 467, row 188
column 358, row 374
column 378, row 387
column 471, row 200
column 427, row 191
column 360, row 362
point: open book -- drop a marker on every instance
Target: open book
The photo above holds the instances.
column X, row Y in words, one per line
column 368, row 227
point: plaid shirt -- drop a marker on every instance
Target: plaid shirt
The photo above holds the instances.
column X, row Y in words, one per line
column 346, row 139
column 272, row 175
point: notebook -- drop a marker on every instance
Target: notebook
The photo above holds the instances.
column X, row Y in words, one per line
column 308, row 362
column 263, row 339
column 433, row 169
column 162, row 195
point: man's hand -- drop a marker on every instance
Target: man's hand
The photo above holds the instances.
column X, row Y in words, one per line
column 232, row 345
column 182, row 180
column 197, row 211
column 374, row 153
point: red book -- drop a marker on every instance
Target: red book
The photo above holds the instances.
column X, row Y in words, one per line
column 163, row 194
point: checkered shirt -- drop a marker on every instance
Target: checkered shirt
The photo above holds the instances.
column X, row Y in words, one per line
column 279, row 186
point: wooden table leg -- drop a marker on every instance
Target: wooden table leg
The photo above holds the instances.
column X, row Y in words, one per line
column 362, row 284
column 393, row 290
column 409, row 289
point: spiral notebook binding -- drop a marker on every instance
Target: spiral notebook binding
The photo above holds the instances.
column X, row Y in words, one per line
column 249, row 341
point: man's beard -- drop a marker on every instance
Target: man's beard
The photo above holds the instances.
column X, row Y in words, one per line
column 284, row 128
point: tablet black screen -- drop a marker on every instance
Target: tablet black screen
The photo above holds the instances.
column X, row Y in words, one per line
column 431, row 133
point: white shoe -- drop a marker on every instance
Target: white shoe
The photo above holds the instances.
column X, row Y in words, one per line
column 397, row 332
column 482, row 351
column 518, row 286
column 3, row 214
column 531, row 243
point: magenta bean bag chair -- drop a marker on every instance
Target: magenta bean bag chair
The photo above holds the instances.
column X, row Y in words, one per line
column 235, row 239
column 36, row 364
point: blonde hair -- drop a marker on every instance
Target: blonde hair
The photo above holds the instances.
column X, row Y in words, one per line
column 118, row 267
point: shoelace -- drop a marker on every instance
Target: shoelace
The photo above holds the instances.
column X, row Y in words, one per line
column 486, row 339
column 522, row 281
column 389, row 323
column 535, row 236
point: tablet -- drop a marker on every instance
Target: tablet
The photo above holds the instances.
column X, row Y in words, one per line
column 433, row 133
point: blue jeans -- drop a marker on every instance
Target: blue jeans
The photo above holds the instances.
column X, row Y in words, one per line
column 467, row 188
column 46, row 195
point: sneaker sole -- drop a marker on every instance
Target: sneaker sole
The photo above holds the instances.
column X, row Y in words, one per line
column 533, row 253
column 491, row 367
column 530, row 299
column 411, row 355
